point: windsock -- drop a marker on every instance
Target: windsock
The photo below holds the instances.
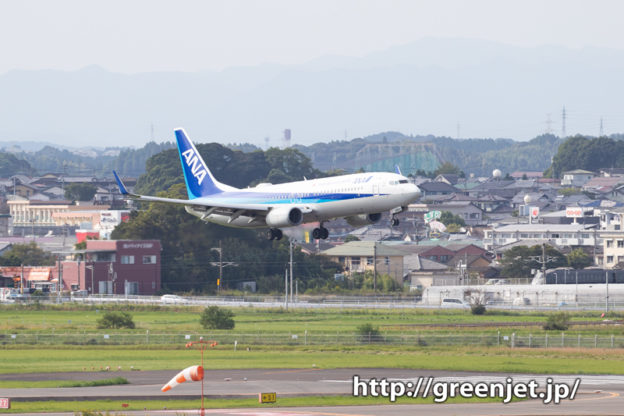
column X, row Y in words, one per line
column 193, row 373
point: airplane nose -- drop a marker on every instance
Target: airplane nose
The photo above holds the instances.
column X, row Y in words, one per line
column 413, row 192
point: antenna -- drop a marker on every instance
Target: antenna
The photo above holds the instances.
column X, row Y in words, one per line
column 266, row 142
column 601, row 128
column 287, row 138
column 563, row 122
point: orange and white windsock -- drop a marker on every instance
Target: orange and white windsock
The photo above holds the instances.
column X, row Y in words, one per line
column 193, row 373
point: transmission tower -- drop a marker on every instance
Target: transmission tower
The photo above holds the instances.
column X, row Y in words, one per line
column 601, row 128
column 563, row 122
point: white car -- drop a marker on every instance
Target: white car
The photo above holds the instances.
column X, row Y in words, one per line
column 174, row 299
column 454, row 303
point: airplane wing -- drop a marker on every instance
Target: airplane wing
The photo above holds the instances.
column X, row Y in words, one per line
column 202, row 202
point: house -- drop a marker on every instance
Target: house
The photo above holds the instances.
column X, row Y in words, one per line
column 471, row 214
column 526, row 174
column 361, row 256
column 428, row 189
column 609, row 172
column 423, row 272
column 576, row 178
column 448, row 178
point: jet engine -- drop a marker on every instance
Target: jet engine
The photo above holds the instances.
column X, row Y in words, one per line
column 284, row 217
column 363, row 219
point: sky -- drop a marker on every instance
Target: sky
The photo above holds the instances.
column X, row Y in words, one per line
column 191, row 35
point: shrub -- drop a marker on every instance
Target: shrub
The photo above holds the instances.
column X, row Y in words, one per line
column 214, row 317
column 368, row 333
column 115, row 320
column 557, row 321
column 477, row 309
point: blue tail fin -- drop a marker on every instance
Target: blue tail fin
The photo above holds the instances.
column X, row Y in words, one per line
column 397, row 170
column 199, row 180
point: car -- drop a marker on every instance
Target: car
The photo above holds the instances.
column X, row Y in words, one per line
column 80, row 293
column 454, row 303
column 172, row 299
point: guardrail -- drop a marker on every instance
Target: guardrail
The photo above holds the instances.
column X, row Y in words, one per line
column 500, row 339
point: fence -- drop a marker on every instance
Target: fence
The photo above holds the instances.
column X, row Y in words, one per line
column 508, row 340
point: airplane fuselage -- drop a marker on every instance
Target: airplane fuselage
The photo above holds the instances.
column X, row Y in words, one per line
column 321, row 199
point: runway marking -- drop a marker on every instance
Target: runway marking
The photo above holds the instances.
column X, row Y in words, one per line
column 612, row 395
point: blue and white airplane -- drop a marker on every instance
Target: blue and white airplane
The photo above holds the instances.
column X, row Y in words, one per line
column 359, row 198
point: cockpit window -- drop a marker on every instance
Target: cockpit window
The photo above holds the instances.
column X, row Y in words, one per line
column 403, row 181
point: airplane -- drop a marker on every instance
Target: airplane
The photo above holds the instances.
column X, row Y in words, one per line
column 359, row 198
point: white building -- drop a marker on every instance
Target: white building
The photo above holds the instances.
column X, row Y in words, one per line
column 557, row 234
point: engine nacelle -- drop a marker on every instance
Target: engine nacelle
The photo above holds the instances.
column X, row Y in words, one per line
column 363, row 219
column 284, row 217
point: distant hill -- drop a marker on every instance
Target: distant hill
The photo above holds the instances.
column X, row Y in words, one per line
column 383, row 151
column 426, row 87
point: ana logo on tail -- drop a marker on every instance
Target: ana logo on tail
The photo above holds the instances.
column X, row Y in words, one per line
column 192, row 161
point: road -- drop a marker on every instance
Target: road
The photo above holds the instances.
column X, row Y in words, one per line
column 598, row 394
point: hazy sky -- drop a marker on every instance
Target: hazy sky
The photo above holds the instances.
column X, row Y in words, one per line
column 151, row 35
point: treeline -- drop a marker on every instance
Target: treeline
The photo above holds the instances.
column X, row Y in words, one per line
column 11, row 165
column 593, row 154
column 231, row 167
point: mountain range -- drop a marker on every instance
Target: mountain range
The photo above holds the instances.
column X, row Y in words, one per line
column 444, row 87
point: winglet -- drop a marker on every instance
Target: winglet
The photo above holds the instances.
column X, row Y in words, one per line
column 397, row 170
column 122, row 187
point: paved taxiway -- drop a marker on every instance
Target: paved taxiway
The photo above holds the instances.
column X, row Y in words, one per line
column 598, row 395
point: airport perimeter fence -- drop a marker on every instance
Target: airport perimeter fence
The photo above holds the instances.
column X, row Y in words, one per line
column 241, row 340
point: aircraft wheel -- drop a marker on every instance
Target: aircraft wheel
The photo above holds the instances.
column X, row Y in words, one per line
column 278, row 234
column 316, row 234
column 270, row 235
column 324, row 233
column 395, row 222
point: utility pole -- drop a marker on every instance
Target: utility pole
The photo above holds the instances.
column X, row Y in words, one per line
column 607, row 294
column 220, row 268
column 375, row 266
column 563, row 122
column 291, row 269
column 286, row 288
column 601, row 128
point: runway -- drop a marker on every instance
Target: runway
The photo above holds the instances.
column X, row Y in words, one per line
column 598, row 394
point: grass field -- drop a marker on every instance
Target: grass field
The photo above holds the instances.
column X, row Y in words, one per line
column 554, row 361
column 116, row 405
column 78, row 319
column 75, row 318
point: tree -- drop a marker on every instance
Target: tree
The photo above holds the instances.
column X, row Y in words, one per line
column 28, row 255
column 557, row 322
column 447, row 218
column 448, row 167
column 80, row 191
column 115, row 320
column 368, row 333
column 214, row 317
column 578, row 259
column 520, row 260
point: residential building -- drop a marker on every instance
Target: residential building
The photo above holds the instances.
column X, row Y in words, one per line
column 576, row 178
column 360, row 256
column 570, row 235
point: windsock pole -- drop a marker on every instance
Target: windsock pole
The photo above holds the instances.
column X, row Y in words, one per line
column 202, row 346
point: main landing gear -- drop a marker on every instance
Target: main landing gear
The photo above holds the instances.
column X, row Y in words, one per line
column 320, row 233
column 394, row 221
column 274, row 234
